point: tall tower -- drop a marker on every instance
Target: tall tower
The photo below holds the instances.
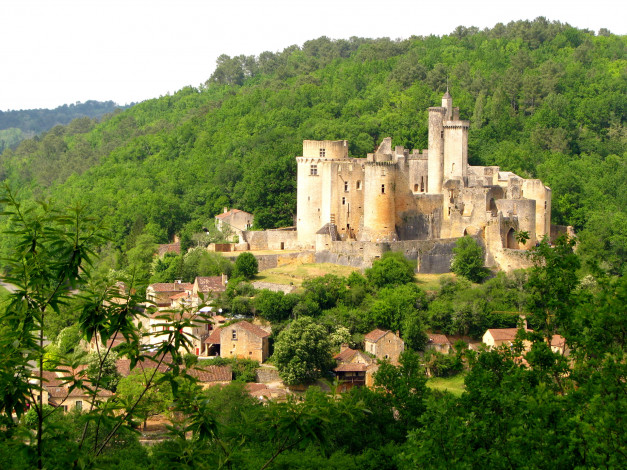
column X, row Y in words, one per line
column 379, row 202
column 435, row 156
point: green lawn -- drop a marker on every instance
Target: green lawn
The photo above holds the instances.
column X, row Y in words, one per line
column 297, row 273
column 455, row 384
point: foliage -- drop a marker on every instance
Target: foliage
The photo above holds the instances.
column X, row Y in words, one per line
column 468, row 259
column 302, row 352
column 244, row 370
column 391, row 270
column 105, row 369
column 246, row 266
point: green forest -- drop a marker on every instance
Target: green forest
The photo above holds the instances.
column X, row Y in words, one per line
column 16, row 126
column 544, row 99
column 85, row 205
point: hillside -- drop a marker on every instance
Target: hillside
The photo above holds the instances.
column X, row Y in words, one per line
column 17, row 125
column 544, row 100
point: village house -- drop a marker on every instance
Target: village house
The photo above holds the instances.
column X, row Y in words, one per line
column 352, row 367
column 445, row 343
column 244, row 340
column 56, row 391
column 495, row 337
column 234, row 222
column 160, row 293
column 209, row 286
column 384, row 345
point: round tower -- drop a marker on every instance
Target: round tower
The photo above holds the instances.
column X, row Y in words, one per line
column 379, row 202
column 435, row 155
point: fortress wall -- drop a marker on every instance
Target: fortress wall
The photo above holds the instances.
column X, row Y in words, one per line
column 521, row 216
column 420, row 218
column 455, row 149
column 281, row 259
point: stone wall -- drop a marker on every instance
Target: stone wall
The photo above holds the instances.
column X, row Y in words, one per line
column 267, row 375
column 280, row 259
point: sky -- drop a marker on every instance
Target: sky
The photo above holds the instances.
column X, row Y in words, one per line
column 55, row 52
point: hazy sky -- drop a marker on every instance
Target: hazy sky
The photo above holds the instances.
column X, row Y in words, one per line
column 62, row 51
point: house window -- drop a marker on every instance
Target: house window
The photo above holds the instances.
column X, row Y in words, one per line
column 382, row 189
column 343, row 201
column 313, row 170
column 346, row 186
column 234, row 335
column 322, row 153
column 79, row 405
column 358, row 185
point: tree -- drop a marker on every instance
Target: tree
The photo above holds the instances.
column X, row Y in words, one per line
column 246, row 266
column 392, row 269
column 153, row 397
column 302, row 352
column 468, row 260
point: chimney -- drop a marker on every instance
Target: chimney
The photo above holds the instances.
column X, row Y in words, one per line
column 225, row 278
column 177, row 239
column 226, row 209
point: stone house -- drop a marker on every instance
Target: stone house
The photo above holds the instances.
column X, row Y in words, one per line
column 244, row 340
column 352, row 367
column 209, row 286
column 384, row 345
column 159, row 293
column 234, row 221
column 495, row 337
column 446, row 343
column 57, row 393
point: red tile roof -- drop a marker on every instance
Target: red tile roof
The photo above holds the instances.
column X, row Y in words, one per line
column 375, row 335
column 345, row 355
column 254, row 329
column 210, row 284
column 352, row 367
column 214, row 337
column 435, row 338
column 504, row 334
column 171, row 286
column 169, row 248
column 229, row 213
column 558, row 341
column 211, row 373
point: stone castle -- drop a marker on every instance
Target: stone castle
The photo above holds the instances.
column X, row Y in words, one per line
column 351, row 210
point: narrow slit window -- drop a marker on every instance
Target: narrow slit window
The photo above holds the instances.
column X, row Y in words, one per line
column 358, row 185
column 382, row 189
column 346, row 186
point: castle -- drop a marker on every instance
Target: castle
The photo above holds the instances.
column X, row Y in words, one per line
column 351, row 210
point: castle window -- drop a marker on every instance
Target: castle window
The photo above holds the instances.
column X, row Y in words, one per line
column 422, row 184
column 343, row 201
column 346, row 186
column 415, row 188
column 382, row 189
column 453, row 168
column 358, row 185
column 544, row 205
column 441, row 134
column 322, row 153
column 313, row 170
column 234, row 335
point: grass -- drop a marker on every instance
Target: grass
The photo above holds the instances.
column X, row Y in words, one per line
column 431, row 282
column 454, row 385
column 296, row 273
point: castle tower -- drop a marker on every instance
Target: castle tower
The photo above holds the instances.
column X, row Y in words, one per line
column 314, row 185
column 379, row 202
column 435, row 154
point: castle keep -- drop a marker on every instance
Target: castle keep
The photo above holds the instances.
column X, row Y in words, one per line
column 395, row 197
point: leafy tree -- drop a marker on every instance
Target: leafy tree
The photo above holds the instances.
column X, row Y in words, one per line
column 246, row 266
column 302, row 352
column 106, row 369
column 468, row 260
column 391, row 270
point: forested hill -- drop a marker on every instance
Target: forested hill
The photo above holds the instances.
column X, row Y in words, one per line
column 16, row 126
column 544, row 99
